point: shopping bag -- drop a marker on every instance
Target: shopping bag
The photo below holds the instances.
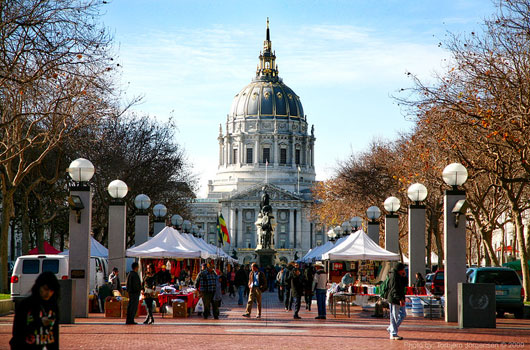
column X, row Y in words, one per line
column 200, row 306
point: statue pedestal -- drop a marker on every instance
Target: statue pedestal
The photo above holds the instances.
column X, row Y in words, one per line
column 266, row 257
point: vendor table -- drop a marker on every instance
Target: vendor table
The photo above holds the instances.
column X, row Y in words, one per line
column 164, row 299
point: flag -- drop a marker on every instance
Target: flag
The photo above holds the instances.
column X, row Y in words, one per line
column 222, row 230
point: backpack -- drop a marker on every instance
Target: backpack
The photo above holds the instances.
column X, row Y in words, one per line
column 383, row 288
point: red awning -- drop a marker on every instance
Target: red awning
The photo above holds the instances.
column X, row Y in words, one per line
column 48, row 249
column 506, row 249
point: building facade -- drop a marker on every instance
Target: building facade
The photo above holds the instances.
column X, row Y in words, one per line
column 265, row 145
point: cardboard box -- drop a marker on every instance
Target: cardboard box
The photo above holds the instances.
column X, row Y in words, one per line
column 112, row 309
column 180, row 309
column 124, row 304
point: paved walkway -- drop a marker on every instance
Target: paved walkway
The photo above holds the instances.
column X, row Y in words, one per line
column 278, row 330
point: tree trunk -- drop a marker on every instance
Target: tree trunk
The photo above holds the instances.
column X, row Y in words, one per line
column 7, row 214
column 522, row 253
column 25, row 232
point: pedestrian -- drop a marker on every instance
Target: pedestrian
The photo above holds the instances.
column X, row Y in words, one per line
column 347, row 280
column 419, row 284
column 271, row 278
column 149, row 286
column 247, row 272
column 287, row 284
column 134, row 288
column 257, row 283
column 217, row 298
column 320, row 281
column 231, row 287
column 297, row 291
column 206, row 283
column 241, row 282
column 396, row 299
column 114, row 280
column 35, row 325
column 308, row 286
column 280, row 282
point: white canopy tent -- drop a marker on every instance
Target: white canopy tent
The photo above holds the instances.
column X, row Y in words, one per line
column 358, row 246
column 168, row 243
column 434, row 259
column 316, row 253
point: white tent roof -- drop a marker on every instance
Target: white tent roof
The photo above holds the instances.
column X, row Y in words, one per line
column 201, row 243
column 96, row 249
column 434, row 259
column 316, row 253
column 168, row 243
column 358, row 246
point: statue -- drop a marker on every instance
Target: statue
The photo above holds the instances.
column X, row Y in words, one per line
column 265, row 223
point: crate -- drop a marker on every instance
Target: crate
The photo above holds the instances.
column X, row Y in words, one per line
column 180, row 309
column 112, row 309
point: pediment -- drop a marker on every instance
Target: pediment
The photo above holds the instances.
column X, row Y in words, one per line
column 275, row 194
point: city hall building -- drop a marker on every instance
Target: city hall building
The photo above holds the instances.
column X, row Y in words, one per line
column 265, row 145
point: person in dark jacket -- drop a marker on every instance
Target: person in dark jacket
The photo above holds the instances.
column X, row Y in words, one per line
column 241, row 281
column 297, row 291
column 134, row 287
column 149, row 290
column 308, row 286
column 288, row 276
column 36, row 318
column 396, row 299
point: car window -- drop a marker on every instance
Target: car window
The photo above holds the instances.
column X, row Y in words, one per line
column 51, row 265
column 30, row 266
column 500, row 278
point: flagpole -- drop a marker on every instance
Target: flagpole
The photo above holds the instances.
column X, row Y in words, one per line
column 266, row 171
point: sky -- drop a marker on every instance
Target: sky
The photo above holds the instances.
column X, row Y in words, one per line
column 344, row 58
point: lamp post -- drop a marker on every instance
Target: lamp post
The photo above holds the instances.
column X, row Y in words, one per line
column 455, row 206
column 176, row 221
column 195, row 230
column 80, row 225
column 373, row 214
column 141, row 221
column 356, row 222
column 417, row 194
column 159, row 211
column 346, row 228
column 392, row 205
column 117, row 216
column 186, row 226
column 332, row 235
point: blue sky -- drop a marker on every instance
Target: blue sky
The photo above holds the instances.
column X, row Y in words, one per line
column 343, row 58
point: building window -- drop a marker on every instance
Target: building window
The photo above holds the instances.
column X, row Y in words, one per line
column 282, row 244
column 283, row 155
column 249, row 155
column 234, row 161
column 297, row 156
column 266, row 155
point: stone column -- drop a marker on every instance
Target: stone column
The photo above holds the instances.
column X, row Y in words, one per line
column 79, row 257
column 158, row 225
column 291, row 229
column 240, row 232
column 231, row 229
column 455, row 253
column 256, row 151
column 392, row 233
column 373, row 231
column 141, row 229
column 117, row 217
column 299, row 228
column 416, row 242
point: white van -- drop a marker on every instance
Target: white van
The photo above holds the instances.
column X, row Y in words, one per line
column 28, row 267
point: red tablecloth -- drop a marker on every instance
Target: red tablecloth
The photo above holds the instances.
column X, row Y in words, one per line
column 168, row 298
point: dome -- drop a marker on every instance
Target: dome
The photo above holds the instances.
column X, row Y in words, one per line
column 266, row 98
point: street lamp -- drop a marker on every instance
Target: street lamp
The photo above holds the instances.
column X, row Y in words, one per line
column 159, row 211
column 176, row 221
column 186, row 226
column 80, row 225
column 356, row 222
column 455, row 206
column 195, row 230
column 117, row 218
column 346, row 228
column 373, row 214
column 417, row 193
column 338, row 231
column 332, row 235
column 141, row 222
column 392, row 205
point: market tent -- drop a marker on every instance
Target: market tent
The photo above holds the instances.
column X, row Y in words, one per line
column 358, row 246
column 96, row 249
column 434, row 259
column 316, row 253
column 168, row 243
column 212, row 250
column 48, row 249
column 516, row 265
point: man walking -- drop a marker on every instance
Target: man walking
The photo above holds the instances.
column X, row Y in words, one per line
column 320, row 281
column 134, row 287
column 396, row 300
column 257, row 283
column 297, row 291
column 241, row 282
column 206, row 283
column 280, row 282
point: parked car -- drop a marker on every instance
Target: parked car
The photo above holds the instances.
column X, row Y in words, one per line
column 28, row 267
column 509, row 292
column 428, row 281
column 438, row 283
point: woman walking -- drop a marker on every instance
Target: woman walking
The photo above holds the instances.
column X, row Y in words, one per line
column 149, row 286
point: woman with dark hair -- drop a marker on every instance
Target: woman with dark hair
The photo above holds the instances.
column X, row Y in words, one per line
column 36, row 318
column 149, row 286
